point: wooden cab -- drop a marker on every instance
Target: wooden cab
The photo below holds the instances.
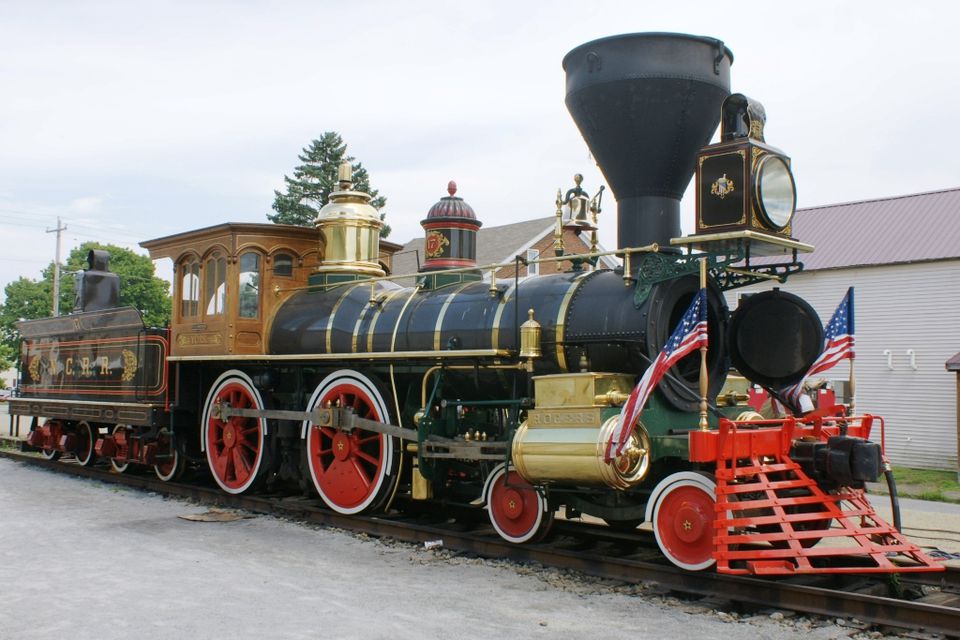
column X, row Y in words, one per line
column 229, row 280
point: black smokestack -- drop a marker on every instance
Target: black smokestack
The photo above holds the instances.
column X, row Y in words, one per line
column 646, row 103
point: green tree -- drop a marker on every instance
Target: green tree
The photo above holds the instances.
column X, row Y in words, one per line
column 314, row 180
column 28, row 299
column 7, row 360
column 25, row 299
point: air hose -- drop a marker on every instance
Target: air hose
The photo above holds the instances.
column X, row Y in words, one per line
column 894, row 500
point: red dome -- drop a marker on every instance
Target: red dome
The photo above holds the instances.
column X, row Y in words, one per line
column 451, row 206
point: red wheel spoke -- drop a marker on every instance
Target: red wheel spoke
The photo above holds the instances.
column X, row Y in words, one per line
column 372, row 438
column 361, row 473
column 363, row 455
column 240, row 464
column 328, row 431
column 221, row 464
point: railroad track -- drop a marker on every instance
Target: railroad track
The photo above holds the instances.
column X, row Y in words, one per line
column 930, row 602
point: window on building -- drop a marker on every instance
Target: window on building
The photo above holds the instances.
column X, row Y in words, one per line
column 190, row 288
column 533, row 268
column 283, row 265
column 216, row 285
column 249, row 285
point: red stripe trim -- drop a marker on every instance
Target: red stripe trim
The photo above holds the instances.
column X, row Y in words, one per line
column 449, row 262
column 430, row 226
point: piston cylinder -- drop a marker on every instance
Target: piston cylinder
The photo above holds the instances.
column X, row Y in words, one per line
column 573, row 454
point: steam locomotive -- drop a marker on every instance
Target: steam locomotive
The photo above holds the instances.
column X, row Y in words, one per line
column 294, row 360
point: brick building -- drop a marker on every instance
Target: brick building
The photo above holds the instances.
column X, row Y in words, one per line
column 495, row 245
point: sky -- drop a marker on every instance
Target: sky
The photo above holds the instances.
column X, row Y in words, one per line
column 135, row 120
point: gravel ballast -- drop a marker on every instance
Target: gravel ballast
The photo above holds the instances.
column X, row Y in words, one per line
column 85, row 559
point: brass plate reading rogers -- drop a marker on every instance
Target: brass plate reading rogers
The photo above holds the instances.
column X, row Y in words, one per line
column 564, row 417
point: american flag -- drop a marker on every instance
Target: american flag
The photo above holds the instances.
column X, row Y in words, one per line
column 838, row 345
column 689, row 335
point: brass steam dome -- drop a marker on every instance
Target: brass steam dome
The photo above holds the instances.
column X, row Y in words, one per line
column 350, row 230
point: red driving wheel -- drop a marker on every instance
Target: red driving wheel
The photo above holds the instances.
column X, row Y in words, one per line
column 234, row 445
column 352, row 471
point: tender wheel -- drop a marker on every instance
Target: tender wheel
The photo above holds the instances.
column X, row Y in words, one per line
column 86, row 444
column 355, row 471
column 234, row 446
column 53, row 429
column 120, row 433
column 517, row 510
column 683, row 520
column 173, row 468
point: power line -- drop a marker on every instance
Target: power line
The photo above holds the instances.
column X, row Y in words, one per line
column 32, row 220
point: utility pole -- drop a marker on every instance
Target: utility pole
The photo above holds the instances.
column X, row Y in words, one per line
column 56, row 269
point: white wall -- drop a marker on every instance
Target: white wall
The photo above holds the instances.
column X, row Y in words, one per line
column 9, row 378
column 898, row 307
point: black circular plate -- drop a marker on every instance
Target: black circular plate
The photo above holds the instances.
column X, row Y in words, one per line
column 774, row 337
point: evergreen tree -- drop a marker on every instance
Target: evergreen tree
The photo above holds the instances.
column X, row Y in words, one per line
column 314, row 180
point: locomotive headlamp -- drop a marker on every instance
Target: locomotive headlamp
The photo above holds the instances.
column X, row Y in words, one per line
column 775, row 192
column 744, row 184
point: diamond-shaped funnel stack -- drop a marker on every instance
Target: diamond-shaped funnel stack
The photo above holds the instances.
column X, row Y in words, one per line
column 646, row 103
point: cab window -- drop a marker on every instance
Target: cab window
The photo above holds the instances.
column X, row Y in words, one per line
column 190, row 289
column 216, row 285
column 283, row 265
column 249, row 285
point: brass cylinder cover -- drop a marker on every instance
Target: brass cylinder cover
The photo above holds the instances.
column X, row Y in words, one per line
column 573, row 455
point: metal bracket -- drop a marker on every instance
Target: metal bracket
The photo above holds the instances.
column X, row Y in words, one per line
column 736, row 278
column 718, row 58
column 652, row 268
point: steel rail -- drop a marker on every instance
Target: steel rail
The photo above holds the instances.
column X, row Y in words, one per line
column 777, row 593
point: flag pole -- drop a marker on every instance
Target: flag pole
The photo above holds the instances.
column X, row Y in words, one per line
column 853, row 376
column 853, row 389
column 704, row 379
